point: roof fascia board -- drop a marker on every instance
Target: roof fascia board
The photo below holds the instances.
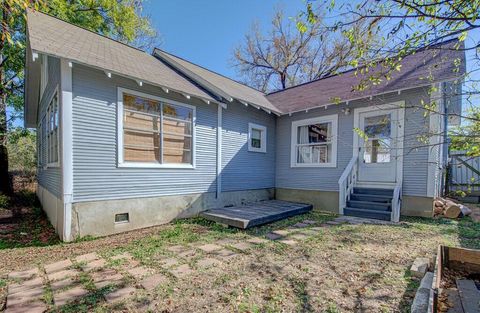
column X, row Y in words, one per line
column 212, row 100
column 346, row 101
column 206, row 84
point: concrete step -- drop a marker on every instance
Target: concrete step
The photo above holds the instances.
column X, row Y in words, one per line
column 375, row 214
column 369, row 205
column 371, row 198
column 373, row 191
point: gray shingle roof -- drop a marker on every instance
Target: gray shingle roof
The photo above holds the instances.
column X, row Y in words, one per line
column 228, row 86
column 419, row 69
column 52, row 36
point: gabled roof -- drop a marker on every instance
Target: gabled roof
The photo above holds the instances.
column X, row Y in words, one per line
column 218, row 84
column 52, row 36
column 423, row 68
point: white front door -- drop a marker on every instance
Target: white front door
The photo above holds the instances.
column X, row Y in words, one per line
column 378, row 145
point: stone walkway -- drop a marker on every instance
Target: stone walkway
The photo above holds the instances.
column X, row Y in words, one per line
column 122, row 276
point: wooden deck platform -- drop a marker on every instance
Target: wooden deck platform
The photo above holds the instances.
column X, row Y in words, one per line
column 257, row 213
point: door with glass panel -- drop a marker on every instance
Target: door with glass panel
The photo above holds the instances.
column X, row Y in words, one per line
column 377, row 146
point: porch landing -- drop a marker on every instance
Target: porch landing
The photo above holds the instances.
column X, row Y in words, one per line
column 256, row 213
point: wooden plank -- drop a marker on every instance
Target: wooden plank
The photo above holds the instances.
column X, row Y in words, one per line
column 464, row 255
column 469, row 295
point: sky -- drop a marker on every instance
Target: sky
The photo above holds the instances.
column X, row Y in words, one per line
column 206, row 32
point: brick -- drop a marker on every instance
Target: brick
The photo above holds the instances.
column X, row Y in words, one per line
column 30, row 307
column 182, row 271
column 152, row 282
column 69, row 295
column 24, row 274
column 207, row 262
column 57, row 266
column 120, row 294
column 64, row 283
column 420, row 267
column 93, row 265
column 106, row 277
column 62, row 275
column 209, row 247
column 87, row 257
column 139, row 272
column 25, row 285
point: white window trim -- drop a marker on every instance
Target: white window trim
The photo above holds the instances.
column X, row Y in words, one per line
column 263, row 138
column 43, row 75
column 47, row 120
column 127, row 164
column 293, row 144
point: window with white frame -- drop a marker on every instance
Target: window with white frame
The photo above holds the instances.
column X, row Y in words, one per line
column 257, row 138
column 52, row 130
column 314, row 142
column 155, row 131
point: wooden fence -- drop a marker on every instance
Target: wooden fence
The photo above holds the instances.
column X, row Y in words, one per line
column 463, row 173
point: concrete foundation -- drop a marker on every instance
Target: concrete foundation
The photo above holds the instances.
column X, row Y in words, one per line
column 53, row 207
column 417, row 206
column 321, row 200
column 97, row 218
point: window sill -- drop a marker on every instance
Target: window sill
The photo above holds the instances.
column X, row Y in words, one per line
column 52, row 165
column 257, row 150
column 328, row 165
column 151, row 165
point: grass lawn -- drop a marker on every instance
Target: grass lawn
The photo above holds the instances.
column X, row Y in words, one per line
column 341, row 268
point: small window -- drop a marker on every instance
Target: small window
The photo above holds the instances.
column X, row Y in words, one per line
column 52, row 130
column 314, row 142
column 257, row 138
column 122, row 218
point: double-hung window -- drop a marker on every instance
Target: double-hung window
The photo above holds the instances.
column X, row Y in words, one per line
column 155, row 132
column 314, row 142
column 257, row 138
column 52, row 130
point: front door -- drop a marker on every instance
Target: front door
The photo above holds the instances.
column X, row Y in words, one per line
column 378, row 143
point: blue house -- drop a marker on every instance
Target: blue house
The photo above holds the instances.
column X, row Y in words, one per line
column 128, row 139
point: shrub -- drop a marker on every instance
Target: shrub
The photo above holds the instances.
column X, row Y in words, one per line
column 4, row 201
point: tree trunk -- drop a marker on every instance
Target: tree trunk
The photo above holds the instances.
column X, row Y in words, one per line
column 5, row 183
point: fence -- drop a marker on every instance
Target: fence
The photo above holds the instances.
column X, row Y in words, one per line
column 464, row 173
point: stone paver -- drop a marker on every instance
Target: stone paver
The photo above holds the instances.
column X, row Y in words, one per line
column 26, row 296
column 106, row 277
column 225, row 254
column 187, row 254
column 57, row 266
column 282, row 232
column 96, row 264
column 139, row 272
column 120, row 294
column 30, row 307
column 169, row 262
column 289, row 242
column 69, row 295
column 257, row 241
column 207, row 262
column 152, row 282
column 24, row 274
column 299, row 236
column 177, row 249
column 242, row 246
column 64, row 283
column 182, row 271
column 210, row 247
column 87, row 257
column 333, row 222
column 301, row 225
column 62, row 274
column 273, row 236
column 25, row 285
column 309, row 222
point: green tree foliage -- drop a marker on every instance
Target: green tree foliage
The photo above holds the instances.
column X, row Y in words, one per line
column 122, row 20
column 22, row 155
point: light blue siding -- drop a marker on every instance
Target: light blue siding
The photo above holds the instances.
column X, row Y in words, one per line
column 415, row 152
column 243, row 169
column 49, row 178
column 96, row 175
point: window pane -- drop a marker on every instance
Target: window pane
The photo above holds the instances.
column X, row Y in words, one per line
column 314, row 133
column 378, row 126
column 177, row 149
column 141, row 146
column 377, row 151
column 178, row 112
column 136, row 120
column 177, row 127
column 256, row 138
column 314, row 154
column 131, row 102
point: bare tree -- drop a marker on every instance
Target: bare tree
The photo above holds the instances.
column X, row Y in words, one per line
column 285, row 56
